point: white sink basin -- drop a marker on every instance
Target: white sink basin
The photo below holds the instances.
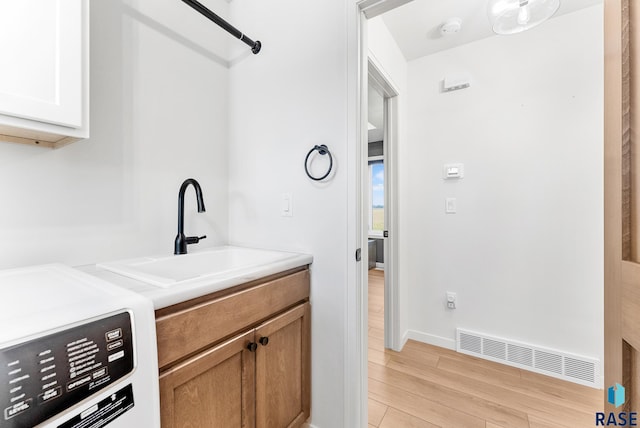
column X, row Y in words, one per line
column 198, row 267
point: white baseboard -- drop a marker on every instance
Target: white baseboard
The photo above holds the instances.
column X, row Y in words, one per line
column 431, row 339
column 403, row 341
column 379, row 265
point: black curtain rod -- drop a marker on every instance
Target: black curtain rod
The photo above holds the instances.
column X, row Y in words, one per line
column 255, row 46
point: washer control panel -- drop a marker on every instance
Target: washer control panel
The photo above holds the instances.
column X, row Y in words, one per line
column 43, row 377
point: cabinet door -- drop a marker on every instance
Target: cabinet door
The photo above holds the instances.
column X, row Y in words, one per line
column 283, row 370
column 213, row 389
column 41, row 62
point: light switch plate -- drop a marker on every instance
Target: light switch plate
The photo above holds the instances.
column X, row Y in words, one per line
column 450, row 206
column 286, row 205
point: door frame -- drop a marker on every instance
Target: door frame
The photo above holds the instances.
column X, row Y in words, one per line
column 612, row 192
column 378, row 77
column 356, row 337
column 621, row 184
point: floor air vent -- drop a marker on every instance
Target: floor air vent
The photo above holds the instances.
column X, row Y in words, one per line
column 574, row 368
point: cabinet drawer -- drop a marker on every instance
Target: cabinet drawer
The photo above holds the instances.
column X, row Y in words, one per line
column 184, row 332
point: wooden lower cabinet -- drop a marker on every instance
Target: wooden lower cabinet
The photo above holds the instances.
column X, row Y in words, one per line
column 282, row 370
column 213, row 389
column 260, row 378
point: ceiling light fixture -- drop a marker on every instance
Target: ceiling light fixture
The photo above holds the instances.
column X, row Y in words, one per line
column 515, row 16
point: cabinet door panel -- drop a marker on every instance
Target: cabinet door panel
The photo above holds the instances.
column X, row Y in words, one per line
column 41, row 61
column 212, row 389
column 282, row 370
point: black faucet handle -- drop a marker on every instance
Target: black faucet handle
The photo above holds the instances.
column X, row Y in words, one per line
column 194, row 239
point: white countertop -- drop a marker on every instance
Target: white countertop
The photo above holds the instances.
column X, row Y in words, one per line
column 167, row 295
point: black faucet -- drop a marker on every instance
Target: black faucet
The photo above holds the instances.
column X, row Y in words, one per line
column 181, row 240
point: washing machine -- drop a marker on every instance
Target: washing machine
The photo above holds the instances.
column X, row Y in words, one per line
column 75, row 352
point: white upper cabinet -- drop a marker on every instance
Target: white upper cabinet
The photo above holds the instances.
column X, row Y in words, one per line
column 44, row 91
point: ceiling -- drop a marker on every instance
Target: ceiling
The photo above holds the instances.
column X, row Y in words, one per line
column 416, row 25
column 416, row 28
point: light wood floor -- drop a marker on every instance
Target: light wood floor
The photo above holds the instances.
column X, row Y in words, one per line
column 426, row 386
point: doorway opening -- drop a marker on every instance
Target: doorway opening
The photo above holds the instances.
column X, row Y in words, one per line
column 429, row 142
column 380, row 202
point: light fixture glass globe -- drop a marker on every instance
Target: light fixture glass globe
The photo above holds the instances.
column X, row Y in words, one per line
column 515, row 16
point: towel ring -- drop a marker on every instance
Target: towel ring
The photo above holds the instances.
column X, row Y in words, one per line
column 323, row 150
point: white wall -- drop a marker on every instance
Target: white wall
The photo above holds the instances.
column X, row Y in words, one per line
column 159, row 95
column 384, row 51
column 290, row 97
column 163, row 108
column 524, row 251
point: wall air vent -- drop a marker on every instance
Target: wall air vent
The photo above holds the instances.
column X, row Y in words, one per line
column 550, row 362
column 470, row 342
